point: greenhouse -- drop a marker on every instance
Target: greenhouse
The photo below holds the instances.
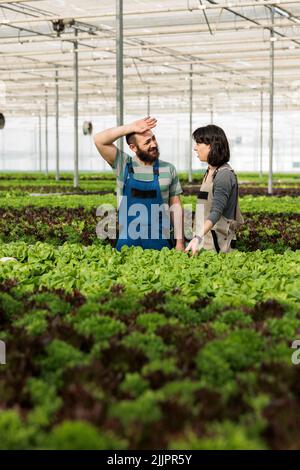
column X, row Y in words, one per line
column 149, row 225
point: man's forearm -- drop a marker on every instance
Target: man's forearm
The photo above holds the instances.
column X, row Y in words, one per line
column 109, row 136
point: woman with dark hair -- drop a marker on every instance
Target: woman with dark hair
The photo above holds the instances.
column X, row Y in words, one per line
column 217, row 213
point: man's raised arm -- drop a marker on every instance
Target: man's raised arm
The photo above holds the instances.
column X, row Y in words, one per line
column 104, row 140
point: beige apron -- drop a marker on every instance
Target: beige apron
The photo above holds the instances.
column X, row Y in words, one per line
column 222, row 235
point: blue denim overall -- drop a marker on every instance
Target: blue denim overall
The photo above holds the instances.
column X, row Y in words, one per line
column 148, row 194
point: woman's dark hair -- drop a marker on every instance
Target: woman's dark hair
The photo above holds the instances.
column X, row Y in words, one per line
column 216, row 138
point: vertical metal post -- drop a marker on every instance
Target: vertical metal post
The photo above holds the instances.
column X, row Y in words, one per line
column 76, row 90
column 46, row 132
column 119, row 66
column 40, row 143
column 178, row 161
column 270, row 182
column 57, row 124
column 261, row 132
column 190, row 170
column 148, row 102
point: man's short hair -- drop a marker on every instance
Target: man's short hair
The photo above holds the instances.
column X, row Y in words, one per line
column 130, row 138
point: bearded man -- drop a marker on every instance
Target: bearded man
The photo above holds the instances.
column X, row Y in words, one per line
column 149, row 206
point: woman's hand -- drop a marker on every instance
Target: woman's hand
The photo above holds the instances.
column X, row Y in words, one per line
column 143, row 125
column 194, row 245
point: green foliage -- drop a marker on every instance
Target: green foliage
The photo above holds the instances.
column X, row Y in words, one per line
column 9, row 305
column 121, row 306
column 144, row 409
column 218, row 361
column 34, row 322
column 141, row 341
column 98, row 326
column 14, row 434
column 76, row 435
column 60, row 356
column 134, row 384
column 283, row 328
column 224, row 436
column 101, row 328
column 181, row 391
column 269, row 204
column 183, row 312
column 45, row 400
column 52, row 302
column 151, row 321
column 73, row 201
column 231, row 319
column 278, row 351
column 259, row 204
column 165, row 366
column 150, row 344
column 237, row 278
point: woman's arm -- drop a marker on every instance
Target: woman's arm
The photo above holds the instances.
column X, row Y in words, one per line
column 195, row 243
column 223, row 185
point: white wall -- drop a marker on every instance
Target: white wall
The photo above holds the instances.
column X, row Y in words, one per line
column 19, row 141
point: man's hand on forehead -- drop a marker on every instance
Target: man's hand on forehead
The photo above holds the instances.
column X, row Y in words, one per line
column 143, row 125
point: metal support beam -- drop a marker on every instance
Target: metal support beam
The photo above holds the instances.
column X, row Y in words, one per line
column 46, row 133
column 191, row 126
column 57, row 123
column 141, row 12
column 148, row 102
column 271, row 110
column 120, row 66
column 40, row 143
column 76, row 92
column 261, row 132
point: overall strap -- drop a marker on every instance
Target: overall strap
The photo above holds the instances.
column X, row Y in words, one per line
column 128, row 170
column 205, row 176
column 237, row 195
column 156, row 169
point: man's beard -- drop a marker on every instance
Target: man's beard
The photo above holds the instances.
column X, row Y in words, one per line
column 147, row 157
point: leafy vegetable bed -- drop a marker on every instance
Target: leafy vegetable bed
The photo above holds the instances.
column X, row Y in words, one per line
column 103, row 187
column 50, row 178
column 148, row 349
column 273, row 205
column 58, row 225
column 251, row 191
column 44, row 186
column 145, row 349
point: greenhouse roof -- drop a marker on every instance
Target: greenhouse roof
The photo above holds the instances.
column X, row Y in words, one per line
column 225, row 45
